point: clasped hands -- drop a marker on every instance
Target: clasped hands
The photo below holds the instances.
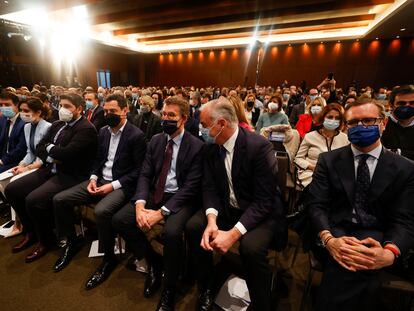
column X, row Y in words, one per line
column 102, row 190
column 218, row 240
column 355, row 255
column 147, row 218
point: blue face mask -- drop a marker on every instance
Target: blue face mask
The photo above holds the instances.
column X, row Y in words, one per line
column 382, row 96
column 7, row 112
column 205, row 133
column 89, row 105
column 363, row 136
column 312, row 97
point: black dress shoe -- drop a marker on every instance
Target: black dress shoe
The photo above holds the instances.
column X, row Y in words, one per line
column 205, row 300
column 153, row 280
column 39, row 251
column 166, row 302
column 27, row 241
column 69, row 251
column 101, row 274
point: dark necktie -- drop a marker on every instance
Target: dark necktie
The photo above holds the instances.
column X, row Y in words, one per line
column 6, row 138
column 32, row 137
column 363, row 183
column 61, row 136
column 166, row 165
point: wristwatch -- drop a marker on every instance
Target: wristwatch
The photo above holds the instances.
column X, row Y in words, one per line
column 165, row 213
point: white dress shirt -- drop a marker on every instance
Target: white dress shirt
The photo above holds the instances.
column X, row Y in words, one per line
column 113, row 147
column 228, row 161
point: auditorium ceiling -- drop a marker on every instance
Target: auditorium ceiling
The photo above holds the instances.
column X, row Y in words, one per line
column 164, row 25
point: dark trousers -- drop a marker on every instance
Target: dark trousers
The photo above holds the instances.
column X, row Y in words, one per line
column 65, row 201
column 342, row 289
column 125, row 223
column 253, row 250
column 31, row 197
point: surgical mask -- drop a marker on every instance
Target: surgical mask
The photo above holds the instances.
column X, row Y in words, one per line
column 191, row 103
column 112, row 120
column 134, row 95
column 388, row 114
column 312, row 97
column 205, row 133
column 363, row 136
column 404, row 112
column 22, row 97
column 331, row 124
column 144, row 109
column 26, row 117
column 7, row 112
column 100, row 96
column 286, row 97
column 316, row 109
column 382, row 96
column 169, row 126
column 89, row 105
column 65, row 115
column 273, row 106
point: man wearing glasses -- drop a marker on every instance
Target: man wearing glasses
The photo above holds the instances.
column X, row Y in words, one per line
column 168, row 188
column 399, row 133
column 360, row 205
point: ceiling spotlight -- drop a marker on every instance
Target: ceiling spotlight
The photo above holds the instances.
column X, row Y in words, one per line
column 402, row 29
column 376, row 38
column 321, row 42
column 6, row 2
column 339, row 41
column 305, row 43
column 27, row 37
column 397, row 37
column 290, row 44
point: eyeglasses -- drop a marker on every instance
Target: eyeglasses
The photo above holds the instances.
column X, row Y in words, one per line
column 403, row 103
column 364, row 122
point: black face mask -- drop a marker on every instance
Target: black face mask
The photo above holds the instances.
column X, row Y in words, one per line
column 169, row 126
column 404, row 112
column 112, row 120
column 250, row 104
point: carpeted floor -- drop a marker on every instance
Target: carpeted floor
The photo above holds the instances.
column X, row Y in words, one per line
column 35, row 286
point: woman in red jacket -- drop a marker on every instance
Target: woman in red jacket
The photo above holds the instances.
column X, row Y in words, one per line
column 308, row 121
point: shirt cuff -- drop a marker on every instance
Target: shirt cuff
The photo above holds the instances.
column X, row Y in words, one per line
column 94, row 177
column 49, row 159
column 1, row 162
column 116, row 185
column 165, row 209
column 140, row 201
column 211, row 211
column 239, row 226
column 49, row 147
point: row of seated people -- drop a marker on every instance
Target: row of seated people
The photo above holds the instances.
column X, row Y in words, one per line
column 236, row 173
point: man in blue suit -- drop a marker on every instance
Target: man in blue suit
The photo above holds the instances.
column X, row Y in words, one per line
column 12, row 142
column 113, row 180
column 168, row 188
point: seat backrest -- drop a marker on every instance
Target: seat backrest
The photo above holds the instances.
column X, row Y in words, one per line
column 283, row 167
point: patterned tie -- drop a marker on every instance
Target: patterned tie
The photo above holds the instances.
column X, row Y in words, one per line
column 166, row 165
column 363, row 183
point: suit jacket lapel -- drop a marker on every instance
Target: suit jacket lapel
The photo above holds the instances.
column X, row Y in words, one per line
column 346, row 171
column 238, row 154
column 122, row 141
column 182, row 152
column 382, row 176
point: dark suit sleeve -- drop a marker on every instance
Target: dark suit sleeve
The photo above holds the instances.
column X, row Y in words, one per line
column 16, row 154
column 401, row 220
column 265, row 190
column 100, row 154
column 99, row 120
column 80, row 141
column 319, row 196
column 139, row 148
column 191, row 186
column 211, row 197
column 41, row 151
column 145, row 176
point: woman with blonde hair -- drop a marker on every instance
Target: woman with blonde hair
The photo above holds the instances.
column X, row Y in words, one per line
column 241, row 116
column 252, row 113
column 309, row 120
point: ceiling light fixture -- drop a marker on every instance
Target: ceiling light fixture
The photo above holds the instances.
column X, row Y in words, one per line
column 402, row 29
column 397, row 37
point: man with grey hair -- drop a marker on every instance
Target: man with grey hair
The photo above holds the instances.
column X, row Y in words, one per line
column 241, row 203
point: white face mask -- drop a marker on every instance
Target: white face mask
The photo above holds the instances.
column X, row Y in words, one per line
column 65, row 115
column 26, row 117
column 273, row 107
column 331, row 124
column 316, row 109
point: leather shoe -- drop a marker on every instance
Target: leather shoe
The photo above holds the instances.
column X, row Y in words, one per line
column 39, row 251
column 205, row 300
column 69, row 251
column 166, row 302
column 27, row 241
column 101, row 274
column 152, row 281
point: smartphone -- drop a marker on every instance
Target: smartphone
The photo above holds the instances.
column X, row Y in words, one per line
column 330, row 76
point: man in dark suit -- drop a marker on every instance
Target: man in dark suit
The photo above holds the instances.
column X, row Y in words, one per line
column 94, row 112
column 113, row 181
column 12, row 142
column 360, row 205
column 299, row 109
column 241, row 203
column 167, row 190
column 67, row 152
